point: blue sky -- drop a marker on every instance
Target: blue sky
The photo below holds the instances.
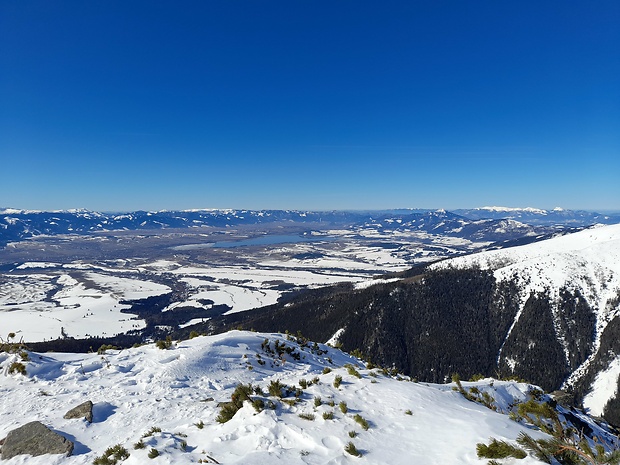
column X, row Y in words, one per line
column 125, row 105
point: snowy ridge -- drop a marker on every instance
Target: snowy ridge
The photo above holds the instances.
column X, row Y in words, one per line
column 513, row 209
column 587, row 261
column 178, row 391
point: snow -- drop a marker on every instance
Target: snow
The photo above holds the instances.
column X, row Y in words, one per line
column 512, row 209
column 604, row 387
column 137, row 389
column 374, row 282
column 80, row 305
column 335, row 338
column 587, row 261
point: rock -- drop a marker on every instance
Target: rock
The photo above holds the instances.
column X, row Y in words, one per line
column 35, row 438
column 84, row 410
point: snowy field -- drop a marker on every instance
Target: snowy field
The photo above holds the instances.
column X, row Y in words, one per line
column 42, row 299
column 39, row 307
column 176, row 393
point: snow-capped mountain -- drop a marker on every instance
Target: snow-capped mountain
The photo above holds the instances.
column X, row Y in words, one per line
column 537, row 216
column 548, row 312
column 251, row 398
column 16, row 225
column 579, row 277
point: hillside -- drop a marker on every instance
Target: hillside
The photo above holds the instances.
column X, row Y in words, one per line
column 546, row 312
column 167, row 400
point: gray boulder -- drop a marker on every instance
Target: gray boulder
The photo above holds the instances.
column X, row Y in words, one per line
column 84, row 410
column 35, row 438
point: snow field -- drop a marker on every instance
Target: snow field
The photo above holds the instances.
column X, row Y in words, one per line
column 178, row 390
column 88, row 307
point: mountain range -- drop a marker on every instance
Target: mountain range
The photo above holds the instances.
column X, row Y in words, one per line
column 485, row 224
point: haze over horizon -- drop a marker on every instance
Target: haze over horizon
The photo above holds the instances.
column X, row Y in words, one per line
column 122, row 106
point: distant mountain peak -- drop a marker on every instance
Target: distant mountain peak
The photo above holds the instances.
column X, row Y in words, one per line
column 513, row 209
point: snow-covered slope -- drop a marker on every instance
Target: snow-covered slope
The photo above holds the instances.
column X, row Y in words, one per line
column 178, row 390
column 586, row 263
column 588, row 260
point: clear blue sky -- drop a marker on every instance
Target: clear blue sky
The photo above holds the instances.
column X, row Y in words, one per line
column 124, row 105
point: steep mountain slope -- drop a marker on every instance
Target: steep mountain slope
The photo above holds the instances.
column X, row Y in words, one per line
column 576, row 278
column 146, row 400
column 548, row 312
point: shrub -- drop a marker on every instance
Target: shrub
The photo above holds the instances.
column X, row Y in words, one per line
column 343, row 407
column 361, row 421
column 258, row 404
column 104, row 347
column 352, row 371
column 351, row 449
column 153, row 453
column 499, row 450
column 328, row 415
column 327, row 370
column 306, row 416
column 139, row 445
column 317, row 401
column 275, row 388
column 193, row 334
column 152, row 431
column 164, row 344
column 17, row 367
column 200, row 424
column 303, row 383
column 408, row 412
column 239, row 396
column 352, row 434
column 337, row 381
column 112, row 455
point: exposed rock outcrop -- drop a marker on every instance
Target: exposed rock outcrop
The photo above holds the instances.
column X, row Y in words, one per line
column 35, row 438
column 84, row 410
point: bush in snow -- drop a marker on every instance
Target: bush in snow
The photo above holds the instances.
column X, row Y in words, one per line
column 352, row 371
column 164, row 344
column 17, row 367
column 275, row 388
column 361, row 421
column 499, row 450
column 351, row 449
column 112, row 455
column 239, row 396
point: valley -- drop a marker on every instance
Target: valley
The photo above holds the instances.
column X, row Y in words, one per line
column 429, row 293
